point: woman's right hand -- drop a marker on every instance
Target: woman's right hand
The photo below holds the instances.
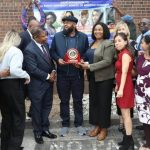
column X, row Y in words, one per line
column 119, row 93
column 5, row 73
column 27, row 81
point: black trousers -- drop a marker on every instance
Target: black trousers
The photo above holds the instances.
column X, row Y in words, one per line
column 100, row 98
column 13, row 113
column 147, row 134
column 65, row 86
column 41, row 107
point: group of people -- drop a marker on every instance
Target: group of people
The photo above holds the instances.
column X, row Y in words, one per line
column 28, row 68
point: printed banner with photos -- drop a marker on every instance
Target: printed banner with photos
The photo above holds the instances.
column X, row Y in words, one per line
column 87, row 12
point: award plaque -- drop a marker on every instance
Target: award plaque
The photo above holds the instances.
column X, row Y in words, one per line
column 72, row 56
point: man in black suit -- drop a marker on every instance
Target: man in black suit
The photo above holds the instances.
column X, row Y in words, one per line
column 26, row 38
column 41, row 68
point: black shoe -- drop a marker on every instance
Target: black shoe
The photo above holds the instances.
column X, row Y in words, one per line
column 122, row 142
column 21, row 148
column 128, row 143
column 139, row 127
column 38, row 138
column 49, row 134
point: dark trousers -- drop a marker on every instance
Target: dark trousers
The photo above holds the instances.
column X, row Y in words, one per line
column 41, row 102
column 100, row 99
column 13, row 113
column 65, row 86
column 147, row 134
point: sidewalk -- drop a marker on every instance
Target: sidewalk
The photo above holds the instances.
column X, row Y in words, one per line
column 74, row 141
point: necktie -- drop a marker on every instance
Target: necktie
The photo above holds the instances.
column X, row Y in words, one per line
column 45, row 52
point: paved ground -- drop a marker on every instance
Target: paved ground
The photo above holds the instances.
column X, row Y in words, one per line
column 74, row 141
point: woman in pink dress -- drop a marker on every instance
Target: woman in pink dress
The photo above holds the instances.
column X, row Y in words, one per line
column 124, row 87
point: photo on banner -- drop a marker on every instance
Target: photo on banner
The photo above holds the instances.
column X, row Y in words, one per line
column 87, row 12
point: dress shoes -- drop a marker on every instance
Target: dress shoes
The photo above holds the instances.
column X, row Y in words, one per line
column 94, row 132
column 102, row 135
column 38, row 138
column 49, row 134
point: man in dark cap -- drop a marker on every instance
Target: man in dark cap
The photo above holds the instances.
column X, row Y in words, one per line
column 70, row 79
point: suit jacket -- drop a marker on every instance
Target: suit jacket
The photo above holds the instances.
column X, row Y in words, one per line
column 104, row 58
column 25, row 40
column 38, row 68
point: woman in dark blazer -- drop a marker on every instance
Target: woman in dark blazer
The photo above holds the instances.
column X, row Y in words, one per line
column 101, row 75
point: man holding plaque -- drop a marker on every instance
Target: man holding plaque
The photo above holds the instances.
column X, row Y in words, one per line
column 67, row 49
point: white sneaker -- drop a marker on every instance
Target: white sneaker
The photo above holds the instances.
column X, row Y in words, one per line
column 81, row 131
column 63, row 131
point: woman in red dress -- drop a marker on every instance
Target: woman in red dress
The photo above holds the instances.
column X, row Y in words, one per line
column 124, row 87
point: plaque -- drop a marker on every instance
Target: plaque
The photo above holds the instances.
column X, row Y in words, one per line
column 72, row 56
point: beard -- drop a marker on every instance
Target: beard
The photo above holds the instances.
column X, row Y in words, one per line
column 68, row 31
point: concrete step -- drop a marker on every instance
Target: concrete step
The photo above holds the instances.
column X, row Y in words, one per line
column 73, row 141
column 55, row 124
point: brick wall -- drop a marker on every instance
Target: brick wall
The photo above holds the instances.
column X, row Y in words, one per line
column 10, row 12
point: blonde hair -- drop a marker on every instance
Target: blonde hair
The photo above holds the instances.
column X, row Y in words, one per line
column 11, row 38
column 121, row 23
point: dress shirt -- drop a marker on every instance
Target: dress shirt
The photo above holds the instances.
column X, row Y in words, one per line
column 40, row 47
column 30, row 33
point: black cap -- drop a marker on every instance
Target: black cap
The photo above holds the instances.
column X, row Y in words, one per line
column 70, row 18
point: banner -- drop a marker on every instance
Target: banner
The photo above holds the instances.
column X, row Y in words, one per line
column 87, row 12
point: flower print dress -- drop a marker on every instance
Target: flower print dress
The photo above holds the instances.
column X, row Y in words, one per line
column 142, row 91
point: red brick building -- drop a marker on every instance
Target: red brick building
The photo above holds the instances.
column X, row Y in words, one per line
column 10, row 12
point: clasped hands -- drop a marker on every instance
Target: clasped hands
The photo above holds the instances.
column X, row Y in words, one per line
column 52, row 76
